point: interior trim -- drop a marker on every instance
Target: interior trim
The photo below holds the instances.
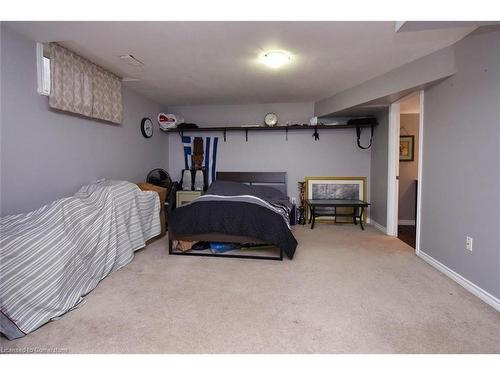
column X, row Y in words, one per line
column 378, row 226
column 459, row 279
column 406, row 222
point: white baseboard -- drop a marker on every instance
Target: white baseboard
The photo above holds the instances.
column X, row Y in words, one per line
column 470, row 286
column 406, row 222
column 378, row 226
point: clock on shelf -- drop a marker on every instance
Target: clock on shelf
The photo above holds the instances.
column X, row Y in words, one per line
column 271, row 119
column 147, row 127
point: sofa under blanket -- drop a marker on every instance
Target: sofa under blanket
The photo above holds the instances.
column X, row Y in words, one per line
column 52, row 257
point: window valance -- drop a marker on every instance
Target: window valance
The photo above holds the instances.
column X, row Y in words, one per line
column 80, row 86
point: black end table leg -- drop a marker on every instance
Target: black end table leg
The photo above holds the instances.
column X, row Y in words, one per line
column 361, row 218
column 354, row 215
column 313, row 216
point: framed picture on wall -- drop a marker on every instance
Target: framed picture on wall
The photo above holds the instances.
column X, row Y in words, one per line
column 406, row 147
column 336, row 188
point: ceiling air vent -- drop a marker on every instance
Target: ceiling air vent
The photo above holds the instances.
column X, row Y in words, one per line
column 131, row 60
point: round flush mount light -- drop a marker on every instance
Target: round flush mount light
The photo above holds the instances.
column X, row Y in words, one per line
column 276, row 59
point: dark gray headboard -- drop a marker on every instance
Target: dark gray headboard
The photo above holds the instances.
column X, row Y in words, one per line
column 276, row 180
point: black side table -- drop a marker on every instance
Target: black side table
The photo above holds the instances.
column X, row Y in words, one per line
column 357, row 206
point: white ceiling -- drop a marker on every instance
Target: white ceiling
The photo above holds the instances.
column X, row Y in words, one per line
column 216, row 62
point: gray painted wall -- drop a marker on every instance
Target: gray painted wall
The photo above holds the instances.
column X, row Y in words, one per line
column 408, row 170
column 335, row 154
column 461, row 164
column 46, row 155
column 379, row 161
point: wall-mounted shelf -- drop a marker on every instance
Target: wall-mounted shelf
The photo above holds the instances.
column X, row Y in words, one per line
column 286, row 129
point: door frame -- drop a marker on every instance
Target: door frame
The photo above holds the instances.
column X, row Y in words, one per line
column 393, row 168
column 420, row 172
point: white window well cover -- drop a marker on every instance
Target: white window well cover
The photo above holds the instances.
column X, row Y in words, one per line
column 43, row 70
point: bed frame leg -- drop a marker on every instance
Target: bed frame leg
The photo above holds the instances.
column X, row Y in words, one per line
column 170, row 247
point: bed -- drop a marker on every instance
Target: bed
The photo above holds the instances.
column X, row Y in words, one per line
column 52, row 257
column 239, row 207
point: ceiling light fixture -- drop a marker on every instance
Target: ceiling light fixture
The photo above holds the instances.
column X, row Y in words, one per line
column 276, row 59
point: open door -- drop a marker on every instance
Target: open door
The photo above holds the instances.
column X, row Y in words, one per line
column 393, row 175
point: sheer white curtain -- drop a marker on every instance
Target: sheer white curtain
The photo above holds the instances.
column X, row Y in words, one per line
column 81, row 87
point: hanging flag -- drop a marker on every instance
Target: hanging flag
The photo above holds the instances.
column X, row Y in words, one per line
column 188, row 147
column 210, row 156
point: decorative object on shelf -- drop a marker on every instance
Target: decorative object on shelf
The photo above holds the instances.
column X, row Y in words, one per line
column 208, row 151
column 169, row 121
column 271, row 119
column 147, row 127
column 406, row 147
column 335, row 188
column 313, row 121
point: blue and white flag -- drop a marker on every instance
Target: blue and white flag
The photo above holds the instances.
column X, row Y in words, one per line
column 188, row 151
column 210, row 155
column 210, row 158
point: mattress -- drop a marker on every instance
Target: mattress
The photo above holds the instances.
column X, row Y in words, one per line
column 52, row 257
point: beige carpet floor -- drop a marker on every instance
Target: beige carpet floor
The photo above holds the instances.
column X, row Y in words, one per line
column 346, row 291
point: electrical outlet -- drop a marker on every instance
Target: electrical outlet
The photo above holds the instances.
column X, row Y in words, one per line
column 468, row 243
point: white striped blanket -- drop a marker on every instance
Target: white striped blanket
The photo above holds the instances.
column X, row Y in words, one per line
column 51, row 257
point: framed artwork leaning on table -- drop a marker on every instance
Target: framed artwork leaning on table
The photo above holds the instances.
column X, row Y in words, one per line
column 323, row 187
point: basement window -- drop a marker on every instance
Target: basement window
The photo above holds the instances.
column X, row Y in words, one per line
column 43, row 69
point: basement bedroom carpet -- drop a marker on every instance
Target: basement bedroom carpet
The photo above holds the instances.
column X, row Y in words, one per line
column 346, row 291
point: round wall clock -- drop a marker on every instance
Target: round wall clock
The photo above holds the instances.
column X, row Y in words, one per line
column 271, row 119
column 147, row 127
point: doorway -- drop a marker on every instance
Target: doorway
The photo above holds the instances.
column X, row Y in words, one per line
column 409, row 119
column 404, row 168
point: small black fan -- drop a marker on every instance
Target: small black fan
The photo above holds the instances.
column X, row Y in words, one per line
column 159, row 177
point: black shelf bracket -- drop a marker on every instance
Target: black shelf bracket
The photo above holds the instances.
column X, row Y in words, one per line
column 246, row 135
column 316, row 134
column 225, row 134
